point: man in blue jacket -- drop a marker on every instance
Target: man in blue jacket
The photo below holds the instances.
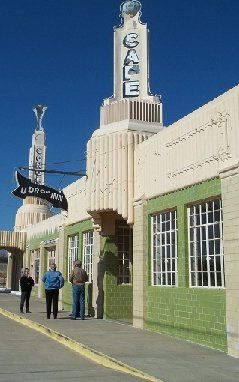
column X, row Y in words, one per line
column 53, row 281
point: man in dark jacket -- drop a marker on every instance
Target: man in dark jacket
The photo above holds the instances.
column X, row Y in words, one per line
column 26, row 284
column 78, row 279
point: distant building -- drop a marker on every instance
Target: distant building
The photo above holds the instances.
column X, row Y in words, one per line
column 156, row 220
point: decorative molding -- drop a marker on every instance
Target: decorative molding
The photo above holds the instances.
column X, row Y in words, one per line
column 223, row 152
column 220, row 117
column 229, row 171
column 222, row 155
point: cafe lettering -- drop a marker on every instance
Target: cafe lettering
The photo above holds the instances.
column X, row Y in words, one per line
column 38, row 165
column 131, row 66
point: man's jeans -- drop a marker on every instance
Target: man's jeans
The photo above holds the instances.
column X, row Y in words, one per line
column 25, row 296
column 78, row 300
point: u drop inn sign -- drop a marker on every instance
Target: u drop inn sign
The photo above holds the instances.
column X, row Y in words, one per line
column 27, row 188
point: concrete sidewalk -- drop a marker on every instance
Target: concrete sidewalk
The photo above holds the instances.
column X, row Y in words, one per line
column 162, row 356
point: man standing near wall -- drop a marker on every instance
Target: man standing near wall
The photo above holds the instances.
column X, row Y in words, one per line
column 78, row 279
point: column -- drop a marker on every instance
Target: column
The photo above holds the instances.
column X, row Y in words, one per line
column 26, row 258
column 41, row 268
column 97, row 280
column 9, row 271
column 230, row 204
column 139, row 264
column 60, row 261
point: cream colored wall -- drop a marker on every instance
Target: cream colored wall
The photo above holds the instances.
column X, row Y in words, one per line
column 45, row 227
column 191, row 150
column 76, row 197
column 76, row 194
column 110, row 170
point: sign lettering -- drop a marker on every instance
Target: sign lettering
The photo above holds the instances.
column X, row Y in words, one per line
column 131, row 66
column 27, row 188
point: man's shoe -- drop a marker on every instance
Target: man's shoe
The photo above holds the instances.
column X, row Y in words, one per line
column 21, row 311
column 28, row 311
column 73, row 318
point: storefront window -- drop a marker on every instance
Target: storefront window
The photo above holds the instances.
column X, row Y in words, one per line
column 206, row 244
column 73, row 248
column 164, row 249
column 88, row 247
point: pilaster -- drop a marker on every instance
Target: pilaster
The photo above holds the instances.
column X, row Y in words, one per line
column 139, row 264
column 60, row 260
column 97, row 279
column 230, row 197
column 42, row 264
column 9, row 271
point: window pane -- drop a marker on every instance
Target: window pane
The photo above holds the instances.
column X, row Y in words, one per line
column 164, row 251
column 88, row 247
column 72, row 252
column 205, row 235
column 124, row 244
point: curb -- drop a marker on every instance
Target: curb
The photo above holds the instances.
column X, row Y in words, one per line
column 84, row 350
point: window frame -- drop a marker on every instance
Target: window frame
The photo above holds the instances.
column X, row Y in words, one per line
column 35, row 265
column 88, row 266
column 208, row 241
column 51, row 259
column 121, row 278
column 170, row 244
column 72, row 256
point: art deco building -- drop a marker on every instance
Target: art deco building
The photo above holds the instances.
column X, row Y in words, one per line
column 156, row 220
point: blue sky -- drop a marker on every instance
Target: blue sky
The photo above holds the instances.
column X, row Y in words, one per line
column 60, row 53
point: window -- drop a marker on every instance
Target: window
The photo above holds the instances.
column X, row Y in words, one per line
column 205, row 245
column 51, row 255
column 35, row 265
column 124, row 241
column 88, row 246
column 73, row 245
column 164, row 249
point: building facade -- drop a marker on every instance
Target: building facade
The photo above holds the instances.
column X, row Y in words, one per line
column 156, row 219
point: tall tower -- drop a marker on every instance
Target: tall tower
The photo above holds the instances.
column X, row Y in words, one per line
column 128, row 118
column 132, row 99
column 37, row 154
column 34, row 209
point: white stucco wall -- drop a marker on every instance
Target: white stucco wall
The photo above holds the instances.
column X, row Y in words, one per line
column 191, row 150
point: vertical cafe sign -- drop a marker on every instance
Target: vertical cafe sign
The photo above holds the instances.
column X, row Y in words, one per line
column 131, row 66
column 37, row 151
column 38, row 165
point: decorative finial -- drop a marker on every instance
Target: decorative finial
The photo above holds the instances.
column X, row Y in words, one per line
column 39, row 111
column 130, row 8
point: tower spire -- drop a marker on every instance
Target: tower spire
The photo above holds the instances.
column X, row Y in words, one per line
column 39, row 111
column 130, row 8
column 37, row 153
